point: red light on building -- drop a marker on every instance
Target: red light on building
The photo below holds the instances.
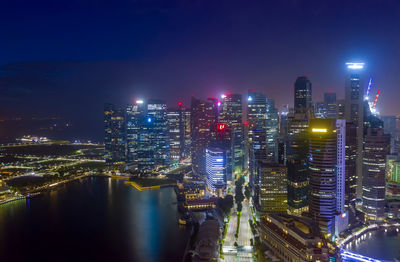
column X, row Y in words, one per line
column 221, row 127
column 180, row 103
column 246, row 123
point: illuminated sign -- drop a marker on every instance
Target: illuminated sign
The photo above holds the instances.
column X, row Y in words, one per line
column 139, row 101
column 221, row 127
column 355, row 65
column 319, row 130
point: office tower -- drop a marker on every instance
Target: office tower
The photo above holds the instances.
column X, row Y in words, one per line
column 351, row 171
column 273, row 187
column 256, row 116
column 202, row 122
column 224, row 140
column 177, row 129
column 320, row 110
column 340, row 108
column 376, row 148
column 327, row 171
column 303, row 96
column 157, row 114
column 187, row 133
column 272, row 130
column 390, row 127
column 216, row 170
column 283, row 125
column 297, row 147
column 393, row 177
column 331, row 105
column 231, row 115
column 354, row 112
column 114, row 138
column 134, row 115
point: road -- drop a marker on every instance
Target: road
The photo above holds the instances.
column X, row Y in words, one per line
column 245, row 233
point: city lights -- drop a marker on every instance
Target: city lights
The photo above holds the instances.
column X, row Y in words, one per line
column 319, row 130
column 352, row 65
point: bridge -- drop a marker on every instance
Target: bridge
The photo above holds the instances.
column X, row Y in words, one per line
column 350, row 256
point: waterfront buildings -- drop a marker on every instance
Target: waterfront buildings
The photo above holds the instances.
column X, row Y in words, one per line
column 134, row 115
column 273, row 187
column 114, row 137
column 216, row 170
column 293, row 238
column 207, row 243
column 354, row 112
column 351, row 170
column 327, row 171
column 376, row 148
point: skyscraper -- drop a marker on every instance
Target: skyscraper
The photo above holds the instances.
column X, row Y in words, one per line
column 177, row 129
column 354, row 112
column 272, row 129
column 114, row 138
column 203, row 121
column 303, row 95
column 320, row 110
column 216, row 170
column 327, row 171
column 331, row 106
column 351, row 171
column 273, row 187
column 231, row 115
column 133, row 117
column 393, row 177
column 376, row 148
column 256, row 116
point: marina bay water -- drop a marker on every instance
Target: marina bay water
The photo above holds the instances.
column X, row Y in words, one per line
column 379, row 245
column 93, row 219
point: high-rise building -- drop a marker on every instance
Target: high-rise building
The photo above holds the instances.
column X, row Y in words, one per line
column 327, row 171
column 393, row 177
column 114, row 138
column 354, row 112
column 272, row 129
column 340, row 108
column 134, row 115
column 177, row 132
column 351, row 171
column 331, row 105
column 231, row 115
column 202, row 123
column 320, row 110
column 273, row 187
column 216, row 170
column 390, row 127
column 157, row 114
column 256, row 116
column 376, row 148
column 297, row 147
column 303, row 96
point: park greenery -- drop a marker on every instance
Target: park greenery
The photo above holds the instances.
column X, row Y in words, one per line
column 239, row 197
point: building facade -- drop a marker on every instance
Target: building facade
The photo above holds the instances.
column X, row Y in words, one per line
column 114, row 135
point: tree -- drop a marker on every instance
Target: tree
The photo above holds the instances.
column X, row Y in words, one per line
column 226, row 204
column 247, row 192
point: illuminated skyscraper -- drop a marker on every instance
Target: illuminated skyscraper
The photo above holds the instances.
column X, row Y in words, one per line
column 331, row 105
column 376, row 148
column 231, row 115
column 272, row 129
column 114, row 138
column 273, row 187
column 177, row 127
column 257, row 134
column 320, row 110
column 133, row 117
column 216, row 170
column 354, row 112
column 327, row 171
column 351, row 171
column 393, row 177
column 303, row 96
column 203, row 120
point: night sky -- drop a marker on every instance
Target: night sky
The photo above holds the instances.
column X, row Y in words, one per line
column 66, row 58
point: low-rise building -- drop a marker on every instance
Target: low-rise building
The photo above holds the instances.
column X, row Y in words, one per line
column 207, row 244
column 293, row 238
